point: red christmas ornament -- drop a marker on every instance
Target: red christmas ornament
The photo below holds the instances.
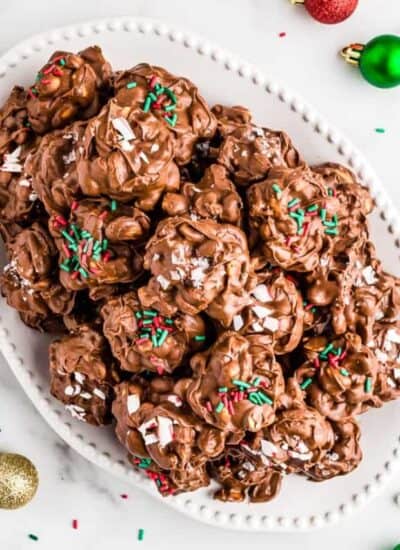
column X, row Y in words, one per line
column 329, row 11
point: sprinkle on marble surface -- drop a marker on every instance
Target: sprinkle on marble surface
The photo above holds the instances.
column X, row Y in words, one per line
column 74, row 524
column 140, row 534
column 380, row 130
column 33, row 537
column 282, row 34
column 124, row 496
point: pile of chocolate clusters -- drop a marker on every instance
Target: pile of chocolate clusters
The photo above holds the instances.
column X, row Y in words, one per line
column 216, row 296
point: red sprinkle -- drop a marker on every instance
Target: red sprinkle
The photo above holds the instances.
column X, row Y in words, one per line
column 103, row 215
column 343, row 355
column 106, row 256
column 317, row 364
column 57, row 72
column 67, row 252
column 75, row 275
column 282, row 34
column 209, row 406
column 153, row 81
column 160, row 370
column 292, row 279
column 125, row 496
column 45, row 81
column 141, row 341
column 74, row 205
column 49, row 69
column 313, row 213
column 308, row 306
column 74, row 524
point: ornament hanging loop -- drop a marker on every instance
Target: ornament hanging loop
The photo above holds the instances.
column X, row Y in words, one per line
column 352, row 53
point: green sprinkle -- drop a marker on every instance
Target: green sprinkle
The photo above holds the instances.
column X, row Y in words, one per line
column 144, row 335
column 380, row 130
column 329, row 224
column 293, row 202
column 163, row 337
column 330, row 192
column 172, row 120
column 138, row 315
column 152, row 96
column 300, row 212
column 312, row 208
column 241, row 384
column 83, row 272
column 171, row 94
column 224, row 389
column 294, row 215
column 169, row 108
column 147, row 322
column 256, row 381
column 219, row 407
column 150, row 313
column 338, row 351
column 62, row 62
column 96, row 257
column 131, row 85
column 344, row 372
column 327, row 349
column 368, row 385
column 104, row 245
column 33, row 537
column 331, row 231
column 314, row 310
column 255, row 398
column 147, row 104
column 264, row 398
column 276, row 188
column 200, row 338
column 306, row 383
column 67, row 236
column 323, row 214
column 113, row 205
column 169, row 321
column 65, row 267
column 154, row 340
column 158, row 89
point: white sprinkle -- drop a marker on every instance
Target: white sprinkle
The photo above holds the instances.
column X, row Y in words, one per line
column 165, row 430
column 98, row 393
column 156, row 257
column 369, row 275
column 300, row 456
column 70, row 158
column 175, row 400
column 144, row 157
column 257, row 327
column 154, row 148
column 268, row 448
column 24, row 183
column 11, row 162
column 248, row 466
column 302, row 447
column 70, row 391
column 381, row 356
column 178, row 256
column 393, row 336
column 79, row 377
column 258, row 131
column 126, row 146
column 124, row 128
column 76, row 412
column 133, row 403
column 238, row 322
column 391, row 382
column 86, row 395
column 33, row 196
column 261, row 311
column 261, row 293
column 396, row 373
column 333, row 457
column 176, row 274
column 164, row 283
column 271, row 324
column 146, row 430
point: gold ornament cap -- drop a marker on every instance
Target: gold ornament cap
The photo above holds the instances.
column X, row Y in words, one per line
column 352, row 53
column 19, row 481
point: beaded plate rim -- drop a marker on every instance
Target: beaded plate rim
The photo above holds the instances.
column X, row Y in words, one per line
column 69, row 430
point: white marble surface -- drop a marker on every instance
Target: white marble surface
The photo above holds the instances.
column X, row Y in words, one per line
column 306, row 59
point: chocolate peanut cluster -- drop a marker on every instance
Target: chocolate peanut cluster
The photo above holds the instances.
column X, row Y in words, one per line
column 215, row 298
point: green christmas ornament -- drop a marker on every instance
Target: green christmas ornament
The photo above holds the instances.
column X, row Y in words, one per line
column 378, row 60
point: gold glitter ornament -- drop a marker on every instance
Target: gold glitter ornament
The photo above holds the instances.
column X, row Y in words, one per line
column 19, row 481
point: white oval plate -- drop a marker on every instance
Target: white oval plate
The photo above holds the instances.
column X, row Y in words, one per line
column 222, row 78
